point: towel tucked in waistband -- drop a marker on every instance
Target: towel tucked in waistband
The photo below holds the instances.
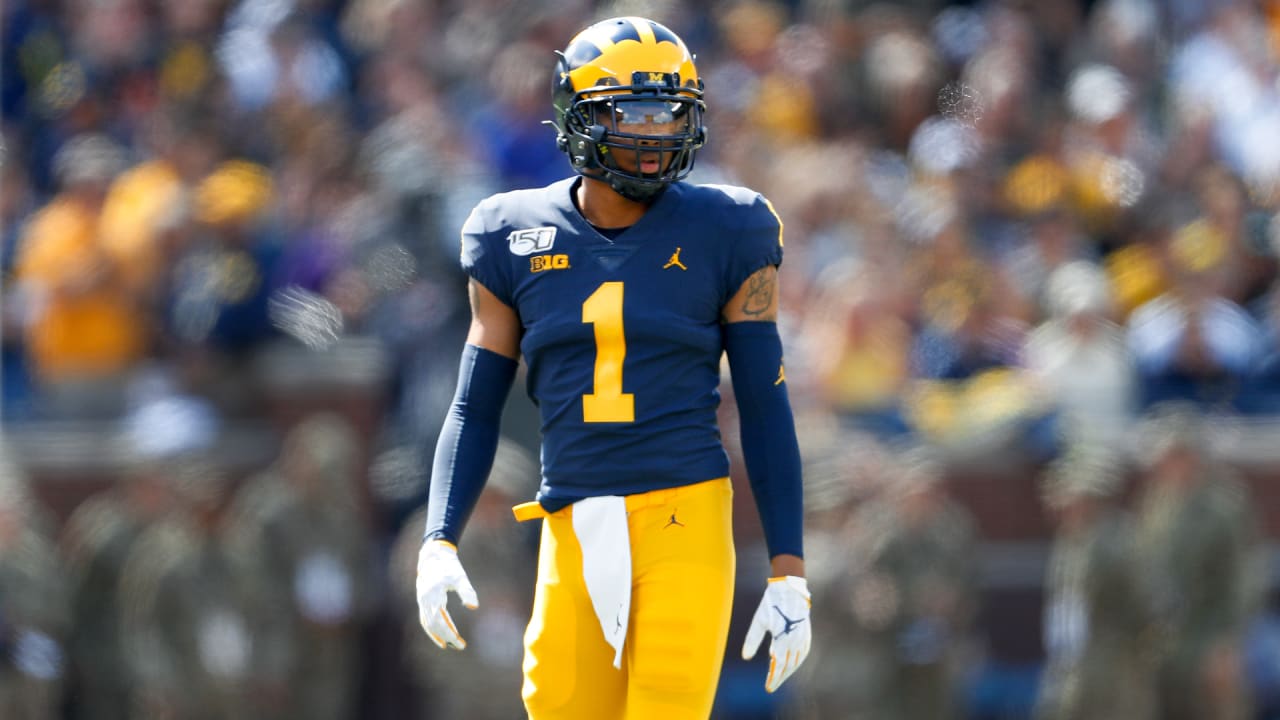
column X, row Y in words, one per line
column 600, row 524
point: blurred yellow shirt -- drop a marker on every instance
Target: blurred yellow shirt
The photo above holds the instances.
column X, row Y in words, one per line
column 140, row 203
column 870, row 371
column 83, row 323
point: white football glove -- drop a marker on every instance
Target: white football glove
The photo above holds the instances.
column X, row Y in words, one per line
column 784, row 614
column 439, row 571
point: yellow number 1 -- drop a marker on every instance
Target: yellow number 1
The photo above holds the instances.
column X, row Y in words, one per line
column 608, row 403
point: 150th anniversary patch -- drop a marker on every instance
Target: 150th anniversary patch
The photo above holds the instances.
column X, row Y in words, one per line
column 531, row 240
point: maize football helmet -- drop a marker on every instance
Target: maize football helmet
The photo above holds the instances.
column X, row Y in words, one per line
column 629, row 85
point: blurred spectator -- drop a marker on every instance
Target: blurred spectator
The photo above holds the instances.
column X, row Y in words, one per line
column 82, row 327
column 148, row 209
column 1109, row 152
column 1078, row 360
column 523, row 151
column 185, row 619
column 1224, row 74
column 903, row 74
column 300, row 540
column 1224, row 233
column 833, row 683
column 1098, row 616
column 483, row 682
column 863, row 364
column 967, row 391
column 1262, row 393
column 914, row 600
column 162, row 434
column 968, row 324
column 17, row 202
column 97, row 539
column 1193, row 343
column 1124, row 33
column 1197, row 544
column 1052, row 239
column 34, row 617
column 273, row 58
column 221, row 283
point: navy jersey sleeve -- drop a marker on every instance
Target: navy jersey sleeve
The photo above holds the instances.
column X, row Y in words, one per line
column 483, row 257
column 756, row 243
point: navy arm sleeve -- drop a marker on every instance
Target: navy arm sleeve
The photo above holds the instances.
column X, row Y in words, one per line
column 768, row 432
column 468, row 441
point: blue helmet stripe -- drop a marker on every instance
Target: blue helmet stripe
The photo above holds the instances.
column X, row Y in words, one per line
column 662, row 34
column 581, row 53
column 619, row 30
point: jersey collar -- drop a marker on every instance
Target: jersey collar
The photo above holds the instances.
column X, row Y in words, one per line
column 562, row 197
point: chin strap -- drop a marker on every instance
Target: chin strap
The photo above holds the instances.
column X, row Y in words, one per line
column 632, row 190
column 636, row 191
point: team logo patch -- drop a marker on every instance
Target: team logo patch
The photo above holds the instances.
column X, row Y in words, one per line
column 531, row 240
column 539, row 263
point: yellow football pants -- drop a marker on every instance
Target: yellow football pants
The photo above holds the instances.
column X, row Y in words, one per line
column 682, row 562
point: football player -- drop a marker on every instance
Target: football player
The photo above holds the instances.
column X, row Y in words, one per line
column 621, row 287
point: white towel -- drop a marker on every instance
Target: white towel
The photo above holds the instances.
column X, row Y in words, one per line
column 601, row 526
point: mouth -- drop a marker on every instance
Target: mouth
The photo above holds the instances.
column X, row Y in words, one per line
column 650, row 164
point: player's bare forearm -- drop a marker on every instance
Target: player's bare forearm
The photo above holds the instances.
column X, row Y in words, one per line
column 782, row 565
column 757, row 299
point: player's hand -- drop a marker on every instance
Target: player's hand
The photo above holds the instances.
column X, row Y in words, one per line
column 784, row 614
column 440, row 572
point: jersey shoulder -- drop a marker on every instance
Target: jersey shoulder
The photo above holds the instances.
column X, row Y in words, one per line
column 743, row 225
column 515, row 223
column 742, row 206
column 516, row 208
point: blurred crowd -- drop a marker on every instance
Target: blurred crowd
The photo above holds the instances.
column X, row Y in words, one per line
column 1151, row 604
column 1049, row 225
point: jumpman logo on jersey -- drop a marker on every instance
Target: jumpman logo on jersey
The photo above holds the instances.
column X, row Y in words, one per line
column 673, row 521
column 782, row 375
column 790, row 624
column 675, row 261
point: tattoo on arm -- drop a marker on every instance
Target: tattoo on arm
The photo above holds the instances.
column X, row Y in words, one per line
column 759, row 296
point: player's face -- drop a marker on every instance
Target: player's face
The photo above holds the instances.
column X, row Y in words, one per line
column 656, row 125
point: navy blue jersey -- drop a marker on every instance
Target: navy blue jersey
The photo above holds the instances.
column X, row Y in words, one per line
column 622, row 337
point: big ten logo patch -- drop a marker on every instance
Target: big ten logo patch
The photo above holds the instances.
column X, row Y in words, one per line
column 538, row 263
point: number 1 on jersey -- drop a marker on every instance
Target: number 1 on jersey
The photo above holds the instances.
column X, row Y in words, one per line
column 608, row 403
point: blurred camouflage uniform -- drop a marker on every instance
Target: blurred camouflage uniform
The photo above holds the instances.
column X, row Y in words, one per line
column 915, row 601
column 163, row 433
column 184, row 620
column 34, row 619
column 483, row 682
column 837, row 479
column 1198, row 546
column 302, row 544
column 1098, row 617
column 97, row 538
